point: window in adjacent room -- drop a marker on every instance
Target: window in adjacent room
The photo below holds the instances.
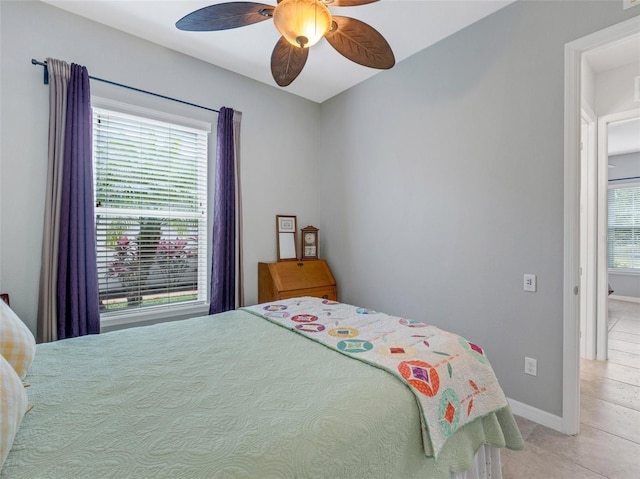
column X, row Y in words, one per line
column 624, row 228
column 151, row 211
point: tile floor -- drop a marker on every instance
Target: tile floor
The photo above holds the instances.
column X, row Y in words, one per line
column 608, row 445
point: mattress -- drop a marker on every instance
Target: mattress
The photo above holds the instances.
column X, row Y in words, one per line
column 227, row 395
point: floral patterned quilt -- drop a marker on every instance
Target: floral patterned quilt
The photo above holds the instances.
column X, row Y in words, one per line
column 450, row 377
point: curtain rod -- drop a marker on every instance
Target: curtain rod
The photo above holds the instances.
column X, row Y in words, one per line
column 46, row 82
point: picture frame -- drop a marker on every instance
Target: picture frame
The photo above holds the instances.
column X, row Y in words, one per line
column 286, row 224
column 287, row 237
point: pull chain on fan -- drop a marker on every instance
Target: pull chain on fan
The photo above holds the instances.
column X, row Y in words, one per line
column 302, row 23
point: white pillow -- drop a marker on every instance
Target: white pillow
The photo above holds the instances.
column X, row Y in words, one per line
column 17, row 344
column 13, row 406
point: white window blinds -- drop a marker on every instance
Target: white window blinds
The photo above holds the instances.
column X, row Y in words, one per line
column 151, row 211
column 624, row 227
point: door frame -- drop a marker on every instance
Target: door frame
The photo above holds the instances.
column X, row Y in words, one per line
column 571, row 276
column 602, row 323
column 588, row 232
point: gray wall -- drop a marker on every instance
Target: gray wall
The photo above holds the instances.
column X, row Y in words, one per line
column 276, row 167
column 445, row 184
column 627, row 166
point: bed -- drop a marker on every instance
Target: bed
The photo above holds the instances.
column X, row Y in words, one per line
column 232, row 395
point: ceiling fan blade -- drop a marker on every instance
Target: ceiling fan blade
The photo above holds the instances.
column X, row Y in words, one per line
column 287, row 62
column 346, row 3
column 224, row 16
column 360, row 43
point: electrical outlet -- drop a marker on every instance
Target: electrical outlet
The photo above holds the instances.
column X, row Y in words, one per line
column 530, row 283
column 530, row 366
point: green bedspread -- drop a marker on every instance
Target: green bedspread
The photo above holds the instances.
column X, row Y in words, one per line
column 229, row 395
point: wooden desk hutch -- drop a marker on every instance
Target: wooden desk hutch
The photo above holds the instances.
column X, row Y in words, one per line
column 290, row 279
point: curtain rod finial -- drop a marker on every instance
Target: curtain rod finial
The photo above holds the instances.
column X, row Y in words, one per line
column 46, row 70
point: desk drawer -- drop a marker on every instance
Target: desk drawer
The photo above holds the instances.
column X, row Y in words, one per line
column 326, row 292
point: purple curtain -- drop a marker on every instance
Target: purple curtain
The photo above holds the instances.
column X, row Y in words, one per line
column 223, row 270
column 77, row 281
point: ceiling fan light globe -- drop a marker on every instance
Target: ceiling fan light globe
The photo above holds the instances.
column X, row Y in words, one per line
column 310, row 19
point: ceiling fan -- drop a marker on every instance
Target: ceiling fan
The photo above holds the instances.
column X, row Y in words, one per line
column 302, row 24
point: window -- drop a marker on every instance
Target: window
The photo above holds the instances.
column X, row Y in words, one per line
column 624, row 228
column 151, row 211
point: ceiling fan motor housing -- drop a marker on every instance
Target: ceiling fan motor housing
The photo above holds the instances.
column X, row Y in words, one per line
column 302, row 22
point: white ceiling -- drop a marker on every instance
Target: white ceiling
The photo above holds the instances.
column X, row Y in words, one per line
column 408, row 25
column 614, row 55
column 624, row 137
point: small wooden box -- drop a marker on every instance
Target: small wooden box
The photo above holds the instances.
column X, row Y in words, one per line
column 290, row 279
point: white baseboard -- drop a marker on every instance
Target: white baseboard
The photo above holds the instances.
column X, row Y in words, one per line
column 536, row 415
column 631, row 299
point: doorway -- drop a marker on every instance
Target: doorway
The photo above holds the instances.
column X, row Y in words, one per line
column 605, row 68
column 574, row 55
column 618, row 137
